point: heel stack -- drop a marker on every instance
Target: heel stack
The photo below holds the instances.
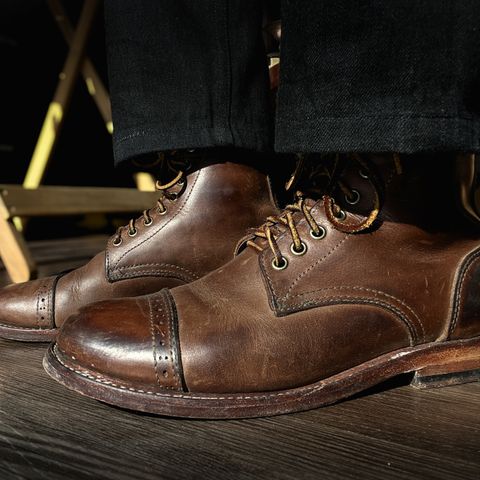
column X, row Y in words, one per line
column 457, row 364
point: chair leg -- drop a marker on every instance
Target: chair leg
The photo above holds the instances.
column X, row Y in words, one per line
column 56, row 112
column 13, row 250
column 95, row 86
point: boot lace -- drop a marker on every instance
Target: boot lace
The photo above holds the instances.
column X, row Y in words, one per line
column 320, row 179
column 171, row 166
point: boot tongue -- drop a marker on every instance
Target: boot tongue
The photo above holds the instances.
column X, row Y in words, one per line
column 415, row 189
column 411, row 189
column 313, row 175
column 395, row 184
column 424, row 193
column 358, row 182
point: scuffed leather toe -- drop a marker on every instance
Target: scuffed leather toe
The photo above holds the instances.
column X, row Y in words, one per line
column 130, row 343
column 28, row 309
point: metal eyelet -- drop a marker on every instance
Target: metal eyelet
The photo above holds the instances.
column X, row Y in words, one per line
column 132, row 233
column 283, row 264
column 181, row 182
column 321, row 234
column 117, row 242
column 302, row 251
column 147, row 224
column 362, row 173
column 160, row 212
column 355, row 199
column 341, row 215
column 174, row 197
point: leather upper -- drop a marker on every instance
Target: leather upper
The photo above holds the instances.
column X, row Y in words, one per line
column 205, row 215
column 349, row 298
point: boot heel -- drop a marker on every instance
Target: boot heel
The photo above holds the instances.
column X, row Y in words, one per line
column 461, row 369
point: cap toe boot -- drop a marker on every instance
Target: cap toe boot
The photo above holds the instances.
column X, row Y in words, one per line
column 192, row 230
column 374, row 279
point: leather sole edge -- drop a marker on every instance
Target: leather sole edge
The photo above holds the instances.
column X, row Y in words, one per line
column 28, row 335
column 453, row 357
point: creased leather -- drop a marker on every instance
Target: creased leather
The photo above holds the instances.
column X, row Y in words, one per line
column 412, row 278
column 198, row 233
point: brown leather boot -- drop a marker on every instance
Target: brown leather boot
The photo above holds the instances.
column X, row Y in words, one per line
column 377, row 278
column 204, row 208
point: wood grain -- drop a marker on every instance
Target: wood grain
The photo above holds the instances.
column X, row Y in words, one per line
column 393, row 432
column 50, row 201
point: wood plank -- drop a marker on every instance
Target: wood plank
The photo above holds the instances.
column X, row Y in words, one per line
column 48, row 201
column 393, row 432
column 54, row 256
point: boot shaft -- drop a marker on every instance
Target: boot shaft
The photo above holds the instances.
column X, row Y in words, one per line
column 415, row 189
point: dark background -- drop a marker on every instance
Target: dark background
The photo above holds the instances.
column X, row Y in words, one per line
column 32, row 53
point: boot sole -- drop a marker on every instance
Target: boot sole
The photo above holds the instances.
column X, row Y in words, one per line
column 435, row 365
column 27, row 334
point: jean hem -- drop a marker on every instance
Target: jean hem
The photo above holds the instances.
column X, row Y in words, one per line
column 130, row 144
column 377, row 134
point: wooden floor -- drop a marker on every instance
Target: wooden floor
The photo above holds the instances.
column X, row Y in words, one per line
column 395, row 432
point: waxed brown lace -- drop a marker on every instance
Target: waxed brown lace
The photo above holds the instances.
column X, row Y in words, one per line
column 272, row 228
column 177, row 166
column 266, row 231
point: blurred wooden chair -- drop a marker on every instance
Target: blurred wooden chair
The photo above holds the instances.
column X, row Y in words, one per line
column 32, row 199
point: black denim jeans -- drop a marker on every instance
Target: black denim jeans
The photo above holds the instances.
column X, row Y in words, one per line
column 356, row 75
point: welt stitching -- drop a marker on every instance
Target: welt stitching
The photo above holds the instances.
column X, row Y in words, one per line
column 27, row 328
column 371, row 290
column 308, row 389
column 97, row 379
column 103, row 381
column 162, row 226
